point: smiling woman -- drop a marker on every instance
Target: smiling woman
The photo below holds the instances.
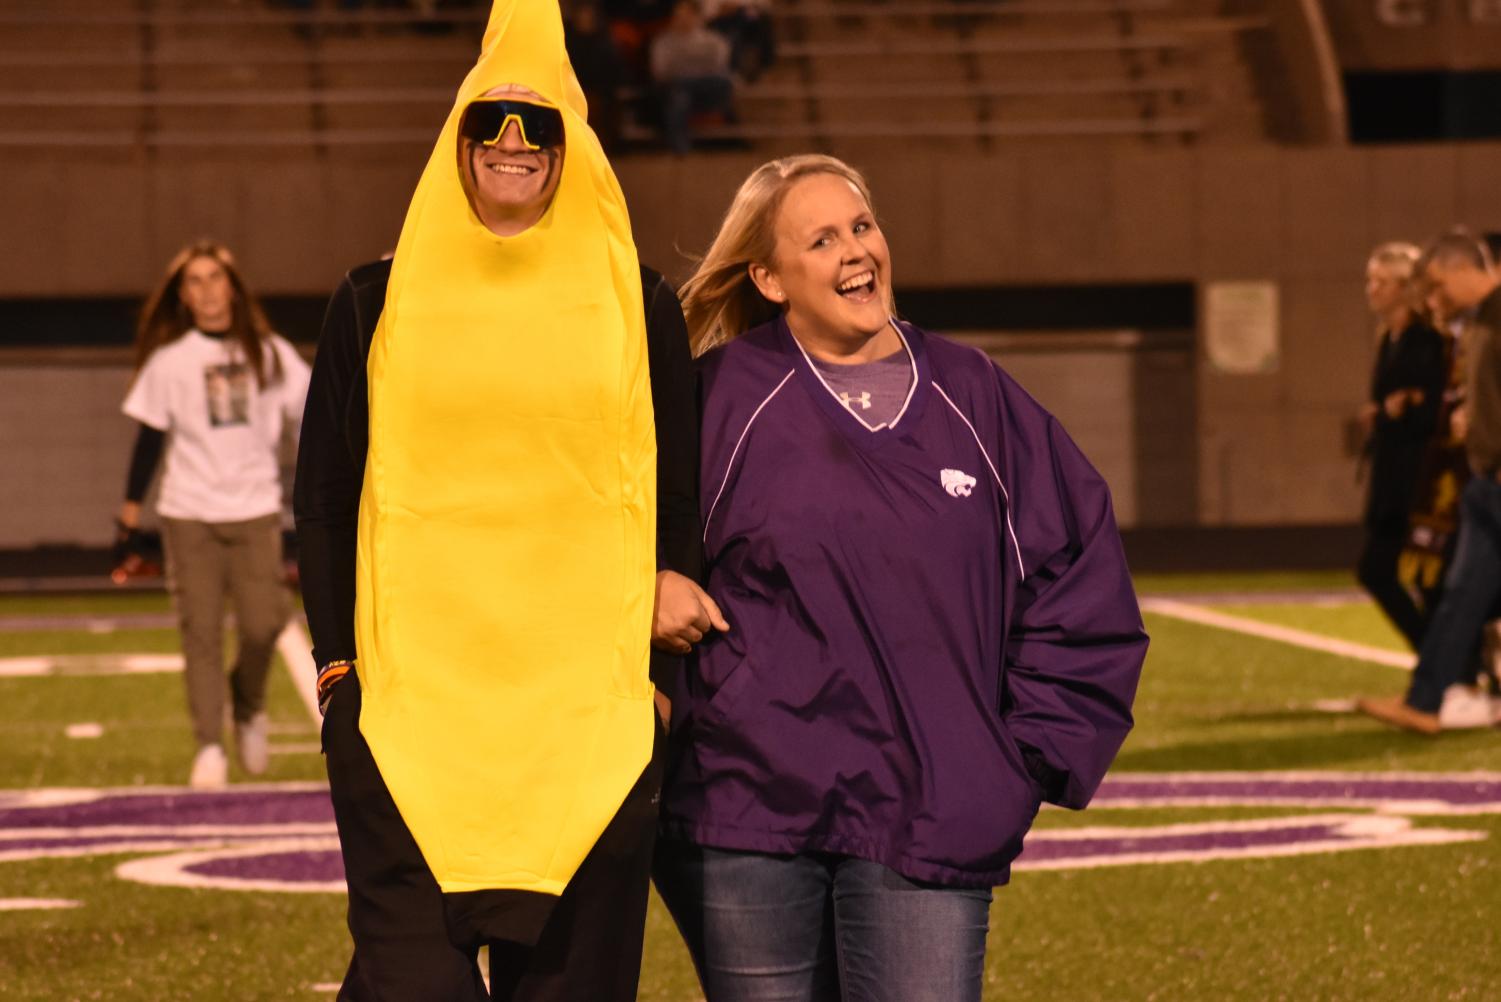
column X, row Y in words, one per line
column 934, row 630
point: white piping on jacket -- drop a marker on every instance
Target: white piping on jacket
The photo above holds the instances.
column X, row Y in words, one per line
column 730, row 466
column 911, row 388
column 1005, row 494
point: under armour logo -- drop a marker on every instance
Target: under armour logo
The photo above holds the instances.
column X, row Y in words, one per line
column 863, row 400
column 956, row 482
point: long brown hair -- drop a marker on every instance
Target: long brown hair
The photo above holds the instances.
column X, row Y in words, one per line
column 165, row 317
column 720, row 301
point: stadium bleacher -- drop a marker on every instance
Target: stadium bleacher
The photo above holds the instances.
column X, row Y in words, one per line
column 177, row 74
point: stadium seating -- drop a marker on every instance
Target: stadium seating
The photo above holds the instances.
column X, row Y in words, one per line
column 180, row 75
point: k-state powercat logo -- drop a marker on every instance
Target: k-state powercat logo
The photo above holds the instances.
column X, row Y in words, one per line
column 956, row 482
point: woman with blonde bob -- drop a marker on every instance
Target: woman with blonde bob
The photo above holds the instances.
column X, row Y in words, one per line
column 1400, row 415
column 932, row 628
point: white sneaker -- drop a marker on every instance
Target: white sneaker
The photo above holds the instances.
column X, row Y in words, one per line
column 210, row 769
column 1466, row 708
column 251, row 745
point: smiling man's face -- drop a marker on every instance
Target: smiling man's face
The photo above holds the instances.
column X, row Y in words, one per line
column 510, row 184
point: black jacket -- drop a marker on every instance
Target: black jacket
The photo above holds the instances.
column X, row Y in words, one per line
column 1414, row 359
column 335, row 440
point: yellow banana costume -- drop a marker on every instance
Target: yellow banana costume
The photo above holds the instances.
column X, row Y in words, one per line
column 506, row 551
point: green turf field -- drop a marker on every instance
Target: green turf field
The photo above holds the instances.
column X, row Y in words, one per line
column 1401, row 922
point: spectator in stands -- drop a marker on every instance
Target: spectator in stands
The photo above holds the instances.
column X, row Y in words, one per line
column 215, row 390
column 747, row 26
column 633, row 24
column 933, row 625
column 639, row 11
column 600, row 70
column 691, row 67
column 1463, row 276
column 1407, row 389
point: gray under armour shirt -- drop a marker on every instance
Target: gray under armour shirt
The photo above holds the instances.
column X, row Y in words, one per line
column 873, row 391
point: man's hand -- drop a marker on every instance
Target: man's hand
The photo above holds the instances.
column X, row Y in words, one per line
column 1398, row 401
column 683, row 613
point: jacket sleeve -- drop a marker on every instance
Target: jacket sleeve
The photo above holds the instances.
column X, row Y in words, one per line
column 674, row 400
column 1076, row 644
column 1419, row 363
column 326, row 494
column 145, row 456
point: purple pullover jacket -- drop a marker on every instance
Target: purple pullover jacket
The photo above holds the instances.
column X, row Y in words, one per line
column 919, row 613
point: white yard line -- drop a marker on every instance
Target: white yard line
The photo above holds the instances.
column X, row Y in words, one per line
column 296, row 748
column 297, row 651
column 293, row 645
column 1284, row 634
column 90, row 664
column 30, row 904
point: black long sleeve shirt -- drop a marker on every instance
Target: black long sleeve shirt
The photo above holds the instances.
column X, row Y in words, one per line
column 335, row 440
column 1411, row 359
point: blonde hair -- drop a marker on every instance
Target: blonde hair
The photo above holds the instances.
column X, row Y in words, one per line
column 1398, row 259
column 720, row 301
column 1401, row 262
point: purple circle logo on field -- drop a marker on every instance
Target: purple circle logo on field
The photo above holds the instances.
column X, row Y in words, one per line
column 281, row 837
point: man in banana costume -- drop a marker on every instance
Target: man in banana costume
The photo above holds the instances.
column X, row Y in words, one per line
column 477, row 505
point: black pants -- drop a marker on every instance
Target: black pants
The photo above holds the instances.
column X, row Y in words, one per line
column 1378, row 575
column 413, row 943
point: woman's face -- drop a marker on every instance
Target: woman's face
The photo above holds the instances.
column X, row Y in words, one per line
column 1383, row 290
column 206, row 291
column 831, row 268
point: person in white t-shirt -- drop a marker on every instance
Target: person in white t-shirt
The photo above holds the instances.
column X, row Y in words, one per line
column 215, row 390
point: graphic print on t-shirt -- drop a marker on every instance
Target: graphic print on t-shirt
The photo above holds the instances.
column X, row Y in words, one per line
column 227, row 389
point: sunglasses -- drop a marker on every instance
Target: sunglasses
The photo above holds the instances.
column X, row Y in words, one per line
column 486, row 119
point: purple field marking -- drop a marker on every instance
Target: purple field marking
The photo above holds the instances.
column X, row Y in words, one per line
column 1475, row 791
column 290, row 866
column 1154, row 842
column 103, row 843
column 180, row 809
column 281, row 837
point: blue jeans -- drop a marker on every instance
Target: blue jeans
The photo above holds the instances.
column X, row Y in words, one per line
column 1470, row 591
column 821, row 928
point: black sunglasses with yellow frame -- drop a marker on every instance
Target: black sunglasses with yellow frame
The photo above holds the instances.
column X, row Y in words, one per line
column 486, row 119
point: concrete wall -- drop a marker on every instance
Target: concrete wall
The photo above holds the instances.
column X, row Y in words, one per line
column 1266, row 449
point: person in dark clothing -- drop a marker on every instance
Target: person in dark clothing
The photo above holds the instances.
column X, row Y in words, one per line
column 746, row 24
column 600, row 69
column 1460, row 269
column 486, row 567
column 1407, row 389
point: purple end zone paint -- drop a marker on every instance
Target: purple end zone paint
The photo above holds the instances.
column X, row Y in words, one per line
column 126, row 821
column 298, row 866
column 1453, row 790
column 1048, row 851
column 230, row 807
